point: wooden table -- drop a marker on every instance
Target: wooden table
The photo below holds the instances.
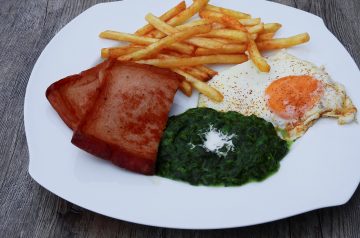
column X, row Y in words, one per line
column 28, row 210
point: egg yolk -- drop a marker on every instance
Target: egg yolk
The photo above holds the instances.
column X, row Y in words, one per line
column 290, row 97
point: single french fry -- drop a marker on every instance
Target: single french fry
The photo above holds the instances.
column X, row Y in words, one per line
column 168, row 30
column 205, row 42
column 105, row 53
column 235, row 35
column 228, row 12
column 282, row 43
column 253, row 36
column 153, row 33
column 113, row 53
column 142, row 40
column 184, row 15
column 196, row 73
column 225, row 49
column 210, row 72
column 160, row 25
column 265, row 36
column 256, row 57
column 186, row 88
column 207, row 70
column 162, row 43
column 250, row 21
column 188, row 13
column 192, row 23
column 202, row 87
column 271, row 27
column 197, row 60
column 225, row 41
column 219, row 17
column 165, row 17
column 120, row 36
column 182, row 48
column 255, row 29
column 233, row 23
column 217, row 25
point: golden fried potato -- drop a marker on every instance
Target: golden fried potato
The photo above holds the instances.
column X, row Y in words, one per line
column 250, row 21
column 185, row 15
column 282, row 43
column 271, row 27
column 234, row 35
column 224, row 19
column 165, row 17
column 256, row 57
column 265, row 36
column 228, row 12
column 115, row 52
column 168, row 30
column 225, row 49
column 165, row 42
column 197, row 60
column 186, row 88
column 202, row 87
column 142, row 40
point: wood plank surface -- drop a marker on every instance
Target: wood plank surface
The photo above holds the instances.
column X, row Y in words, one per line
column 28, row 210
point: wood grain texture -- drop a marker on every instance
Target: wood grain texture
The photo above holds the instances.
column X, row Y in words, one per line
column 28, row 210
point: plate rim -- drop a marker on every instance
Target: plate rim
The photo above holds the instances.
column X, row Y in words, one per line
column 49, row 188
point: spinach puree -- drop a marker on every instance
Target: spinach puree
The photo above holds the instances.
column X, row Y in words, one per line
column 252, row 151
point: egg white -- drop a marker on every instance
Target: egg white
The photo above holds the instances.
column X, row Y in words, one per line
column 243, row 87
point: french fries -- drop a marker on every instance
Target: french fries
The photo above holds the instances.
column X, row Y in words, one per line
column 220, row 36
column 115, row 52
column 219, row 17
column 196, row 73
column 282, row 43
column 185, row 15
column 207, row 70
column 255, row 29
column 192, row 23
column 186, row 88
column 120, row 36
column 142, row 40
column 162, row 43
column 250, row 21
column 271, row 27
column 188, row 13
column 168, row 30
column 228, row 12
column 235, row 35
column 217, row 25
column 202, row 87
column 165, row 17
column 265, row 36
column 225, row 49
column 256, row 57
column 160, row 25
column 200, row 71
column 197, row 60
column 253, row 36
column 205, row 42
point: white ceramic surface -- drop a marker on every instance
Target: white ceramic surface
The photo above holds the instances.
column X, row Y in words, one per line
column 321, row 169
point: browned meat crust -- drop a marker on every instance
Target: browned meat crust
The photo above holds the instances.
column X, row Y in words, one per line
column 72, row 96
column 126, row 122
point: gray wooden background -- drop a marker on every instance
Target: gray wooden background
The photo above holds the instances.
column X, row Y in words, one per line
column 28, row 210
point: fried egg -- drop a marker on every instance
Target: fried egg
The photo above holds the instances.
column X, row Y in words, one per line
column 292, row 96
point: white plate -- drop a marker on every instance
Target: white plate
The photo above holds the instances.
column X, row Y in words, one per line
column 321, row 169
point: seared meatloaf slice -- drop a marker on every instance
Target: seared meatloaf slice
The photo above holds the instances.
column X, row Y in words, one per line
column 126, row 122
column 72, row 96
